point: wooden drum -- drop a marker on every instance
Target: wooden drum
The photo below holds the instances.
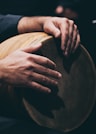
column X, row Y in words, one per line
column 71, row 105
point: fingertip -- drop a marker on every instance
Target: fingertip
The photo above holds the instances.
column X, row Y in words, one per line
column 63, row 47
column 48, row 91
column 66, row 53
column 57, row 33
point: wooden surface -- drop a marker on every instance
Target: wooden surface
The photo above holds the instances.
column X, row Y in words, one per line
column 75, row 99
column 21, row 41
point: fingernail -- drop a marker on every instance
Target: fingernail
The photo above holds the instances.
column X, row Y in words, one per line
column 66, row 53
column 59, row 75
column 56, row 83
column 49, row 91
column 63, row 47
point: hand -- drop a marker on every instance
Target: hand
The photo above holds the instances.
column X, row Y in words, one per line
column 21, row 68
column 62, row 28
column 66, row 30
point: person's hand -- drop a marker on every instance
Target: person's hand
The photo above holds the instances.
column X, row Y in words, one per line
column 58, row 27
column 21, row 68
column 66, row 30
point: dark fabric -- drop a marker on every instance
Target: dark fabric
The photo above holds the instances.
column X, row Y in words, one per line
column 73, row 4
column 27, row 7
column 8, row 23
column 14, row 126
column 8, row 26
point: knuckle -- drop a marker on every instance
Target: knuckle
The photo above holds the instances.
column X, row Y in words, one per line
column 44, row 79
column 46, row 28
column 27, row 65
column 57, row 34
column 66, row 20
column 47, row 61
column 71, row 22
column 30, row 66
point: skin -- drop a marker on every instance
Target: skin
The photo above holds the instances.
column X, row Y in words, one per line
column 62, row 28
column 22, row 67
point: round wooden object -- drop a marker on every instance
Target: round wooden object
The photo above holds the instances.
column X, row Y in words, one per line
column 74, row 99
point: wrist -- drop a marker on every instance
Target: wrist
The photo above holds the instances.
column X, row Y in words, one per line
column 31, row 24
column 22, row 25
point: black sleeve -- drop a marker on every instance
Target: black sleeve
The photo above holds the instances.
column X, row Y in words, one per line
column 8, row 26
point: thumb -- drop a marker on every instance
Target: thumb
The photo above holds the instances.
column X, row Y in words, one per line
column 32, row 48
column 52, row 29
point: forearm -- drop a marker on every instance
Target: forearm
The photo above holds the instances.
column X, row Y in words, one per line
column 30, row 24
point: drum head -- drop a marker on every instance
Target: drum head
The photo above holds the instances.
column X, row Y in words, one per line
column 70, row 104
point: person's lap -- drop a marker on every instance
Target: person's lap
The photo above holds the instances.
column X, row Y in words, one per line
column 14, row 126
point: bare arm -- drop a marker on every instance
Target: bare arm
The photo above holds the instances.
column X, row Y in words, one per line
column 62, row 28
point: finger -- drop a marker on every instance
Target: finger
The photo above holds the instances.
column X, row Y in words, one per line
column 68, row 46
column 46, row 71
column 77, row 43
column 74, row 39
column 39, row 87
column 44, row 61
column 32, row 48
column 51, row 28
column 64, row 27
column 43, row 80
